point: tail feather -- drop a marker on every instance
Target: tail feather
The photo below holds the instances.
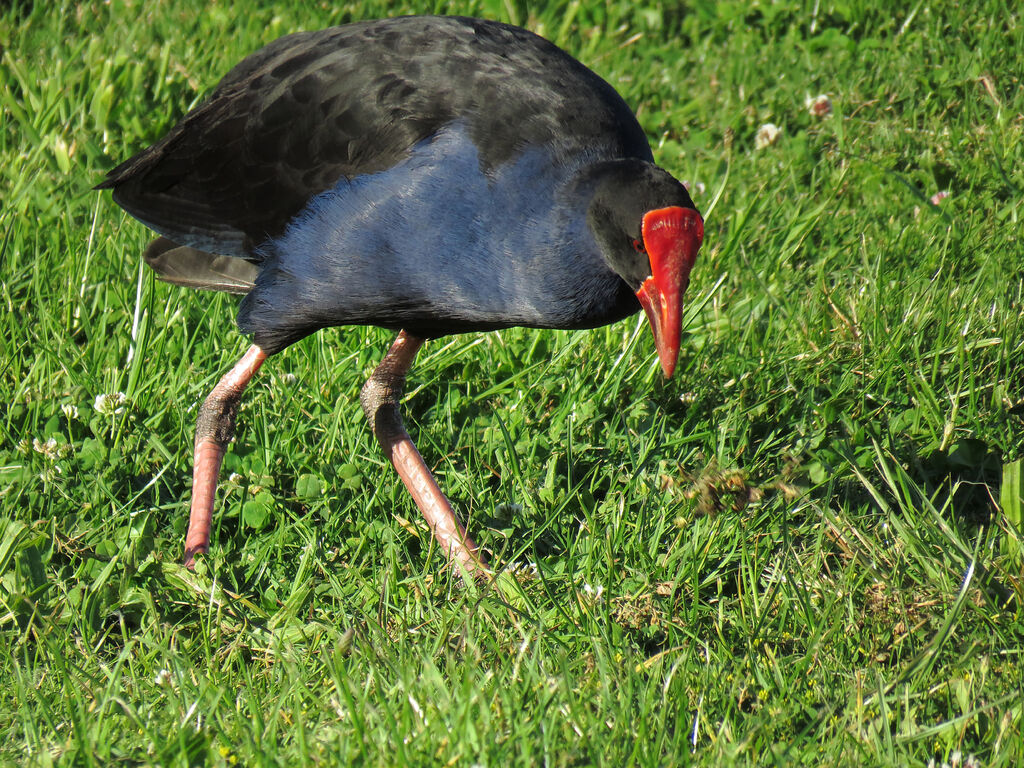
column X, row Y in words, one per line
column 192, row 268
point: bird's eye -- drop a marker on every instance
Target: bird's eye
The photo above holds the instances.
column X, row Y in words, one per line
column 638, row 246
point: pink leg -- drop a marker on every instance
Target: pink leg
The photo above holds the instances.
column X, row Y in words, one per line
column 214, row 430
column 380, row 397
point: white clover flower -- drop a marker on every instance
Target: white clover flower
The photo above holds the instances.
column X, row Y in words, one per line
column 108, row 405
column 70, row 411
column 956, row 760
column 767, row 135
column 819, row 106
column 524, row 570
column 51, row 449
column 48, row 449
column 163, row 677
column 595, row 593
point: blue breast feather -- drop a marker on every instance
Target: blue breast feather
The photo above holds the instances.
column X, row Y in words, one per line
column 436, row 243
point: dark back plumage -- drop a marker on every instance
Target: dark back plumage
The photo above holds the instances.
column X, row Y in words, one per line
column 293, row 118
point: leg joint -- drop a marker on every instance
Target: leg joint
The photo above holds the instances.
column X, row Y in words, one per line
column 216, row 420
column 382, row 388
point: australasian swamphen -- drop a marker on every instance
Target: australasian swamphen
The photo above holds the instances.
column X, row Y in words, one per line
column 430, row 175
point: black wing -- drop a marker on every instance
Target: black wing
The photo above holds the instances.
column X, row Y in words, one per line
column 291, row 119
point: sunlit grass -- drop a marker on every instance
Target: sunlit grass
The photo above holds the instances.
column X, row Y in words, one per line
column 805, row 548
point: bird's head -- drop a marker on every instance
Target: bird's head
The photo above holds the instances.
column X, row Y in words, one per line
column 649, row 233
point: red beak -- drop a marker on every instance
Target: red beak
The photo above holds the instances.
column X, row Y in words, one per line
column 672, row 237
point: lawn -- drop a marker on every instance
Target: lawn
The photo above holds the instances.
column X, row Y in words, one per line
column 805, row 548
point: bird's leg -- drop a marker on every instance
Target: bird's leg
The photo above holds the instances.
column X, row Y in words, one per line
column 214, row 430
column 380, row 397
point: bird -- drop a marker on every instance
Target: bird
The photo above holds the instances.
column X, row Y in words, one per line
column 429, row 175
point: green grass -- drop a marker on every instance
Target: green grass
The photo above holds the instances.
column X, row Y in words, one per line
column 805, row 548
